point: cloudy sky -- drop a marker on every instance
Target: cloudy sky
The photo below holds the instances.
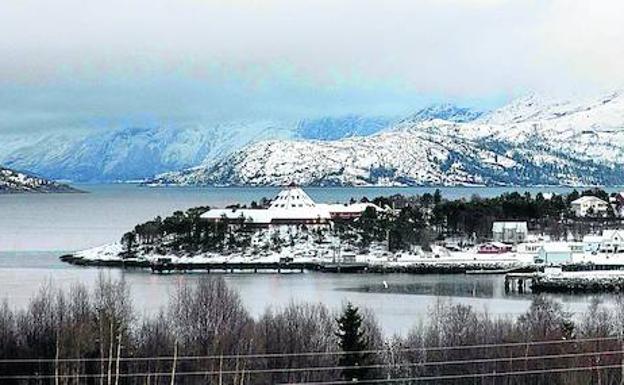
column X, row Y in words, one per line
column 87, row 64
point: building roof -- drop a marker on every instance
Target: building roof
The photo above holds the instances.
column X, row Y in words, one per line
column 265, row 216
column 338, row 208
column 292, row 198
column 617, row 235
column 587, row 199
column 291, row 203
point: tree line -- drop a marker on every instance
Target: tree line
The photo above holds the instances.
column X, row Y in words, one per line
column 414, row 221
column 116, row 345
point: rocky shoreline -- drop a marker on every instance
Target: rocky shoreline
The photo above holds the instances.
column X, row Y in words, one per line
column 187, row 264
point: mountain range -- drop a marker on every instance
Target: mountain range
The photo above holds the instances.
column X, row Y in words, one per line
column 531, row 141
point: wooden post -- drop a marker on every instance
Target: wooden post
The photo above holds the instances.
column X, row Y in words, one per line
column 56, row 363
column 118, row 359
column 110, row 355
column 221, row 371
column 175, row 362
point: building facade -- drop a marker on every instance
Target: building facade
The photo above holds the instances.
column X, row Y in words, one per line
column 291, row 206
column 509, row 231
column 590, row 206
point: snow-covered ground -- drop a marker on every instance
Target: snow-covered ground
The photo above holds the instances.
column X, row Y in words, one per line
column 592, row 275
column 330, row 251
column 12, row 181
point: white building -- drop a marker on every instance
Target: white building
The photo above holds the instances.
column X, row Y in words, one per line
column 612, row 242
column 292, row 206
column 349, row 211
column 590, row 206
column 509, row 232
column 607, row 248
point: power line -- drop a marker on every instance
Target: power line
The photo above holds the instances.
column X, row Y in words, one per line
column 461, row 376
column 312, row 354
column 328, row 368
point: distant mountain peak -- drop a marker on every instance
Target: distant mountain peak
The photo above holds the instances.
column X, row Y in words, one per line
column 338, row 127
column 444, row 111
column 534, row 140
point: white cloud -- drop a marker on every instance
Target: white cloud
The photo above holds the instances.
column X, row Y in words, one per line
column 469, row 48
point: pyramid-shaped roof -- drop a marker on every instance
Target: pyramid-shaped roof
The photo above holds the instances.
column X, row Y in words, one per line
column 292, row 198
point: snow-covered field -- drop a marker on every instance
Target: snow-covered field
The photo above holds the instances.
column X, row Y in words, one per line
column 325, row 253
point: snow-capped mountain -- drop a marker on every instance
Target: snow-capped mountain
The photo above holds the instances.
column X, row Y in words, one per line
column 444, row 111
column 16, row 182
column 137, row 153
column 530, row 141
column 133, row 153
column 333, row 128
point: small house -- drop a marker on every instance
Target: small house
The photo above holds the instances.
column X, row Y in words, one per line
column 493, row 248
column 590, row 206
column 509, row 232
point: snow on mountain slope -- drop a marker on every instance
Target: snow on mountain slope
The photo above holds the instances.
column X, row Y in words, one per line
column 333, row 128
column 420, row 155
column 133, row 153
column 591, row 129
column 445, row 111
column 531, row 141
column 17, row 182
column 136, row 153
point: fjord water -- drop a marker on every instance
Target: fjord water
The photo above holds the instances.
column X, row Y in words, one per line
column 78, row 221
column 53, row 224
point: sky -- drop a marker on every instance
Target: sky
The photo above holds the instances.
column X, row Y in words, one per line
column 77, row 65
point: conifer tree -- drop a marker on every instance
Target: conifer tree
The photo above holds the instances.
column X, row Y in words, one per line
column 352, row 340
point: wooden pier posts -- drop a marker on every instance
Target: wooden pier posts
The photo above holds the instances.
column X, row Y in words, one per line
column 517, row 282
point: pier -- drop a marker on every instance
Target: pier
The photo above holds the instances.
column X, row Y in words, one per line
column 164, row 265
column 517, row 282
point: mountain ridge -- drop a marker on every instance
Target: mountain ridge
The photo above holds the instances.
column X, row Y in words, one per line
column 531, row 141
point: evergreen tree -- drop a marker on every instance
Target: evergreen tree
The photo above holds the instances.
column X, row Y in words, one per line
column 353, row 341
column 437, row 197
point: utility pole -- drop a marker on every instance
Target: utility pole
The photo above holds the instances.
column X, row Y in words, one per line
column 118, row 358
column 175, row 362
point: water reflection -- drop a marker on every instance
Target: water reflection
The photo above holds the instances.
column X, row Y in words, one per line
column 399, row 301
column 477, row 289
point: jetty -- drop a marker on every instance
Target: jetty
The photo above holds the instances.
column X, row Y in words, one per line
column 520, row 281
column 165, row 265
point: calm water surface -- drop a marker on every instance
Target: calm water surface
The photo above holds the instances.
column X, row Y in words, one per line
column 399, row 307
column 57, row 223
column 76, row 221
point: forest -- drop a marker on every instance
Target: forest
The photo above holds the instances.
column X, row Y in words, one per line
column 205, row 335
column 411, row 221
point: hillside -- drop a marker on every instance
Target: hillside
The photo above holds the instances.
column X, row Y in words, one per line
column 133, row 153
column 531, row 141
column 17, row 182
column 137, row 153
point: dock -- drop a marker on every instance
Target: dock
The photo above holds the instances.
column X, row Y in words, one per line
column 164, row 267
column 517, row 281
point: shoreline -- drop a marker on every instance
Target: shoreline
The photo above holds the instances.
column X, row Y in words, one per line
column 277, row 263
